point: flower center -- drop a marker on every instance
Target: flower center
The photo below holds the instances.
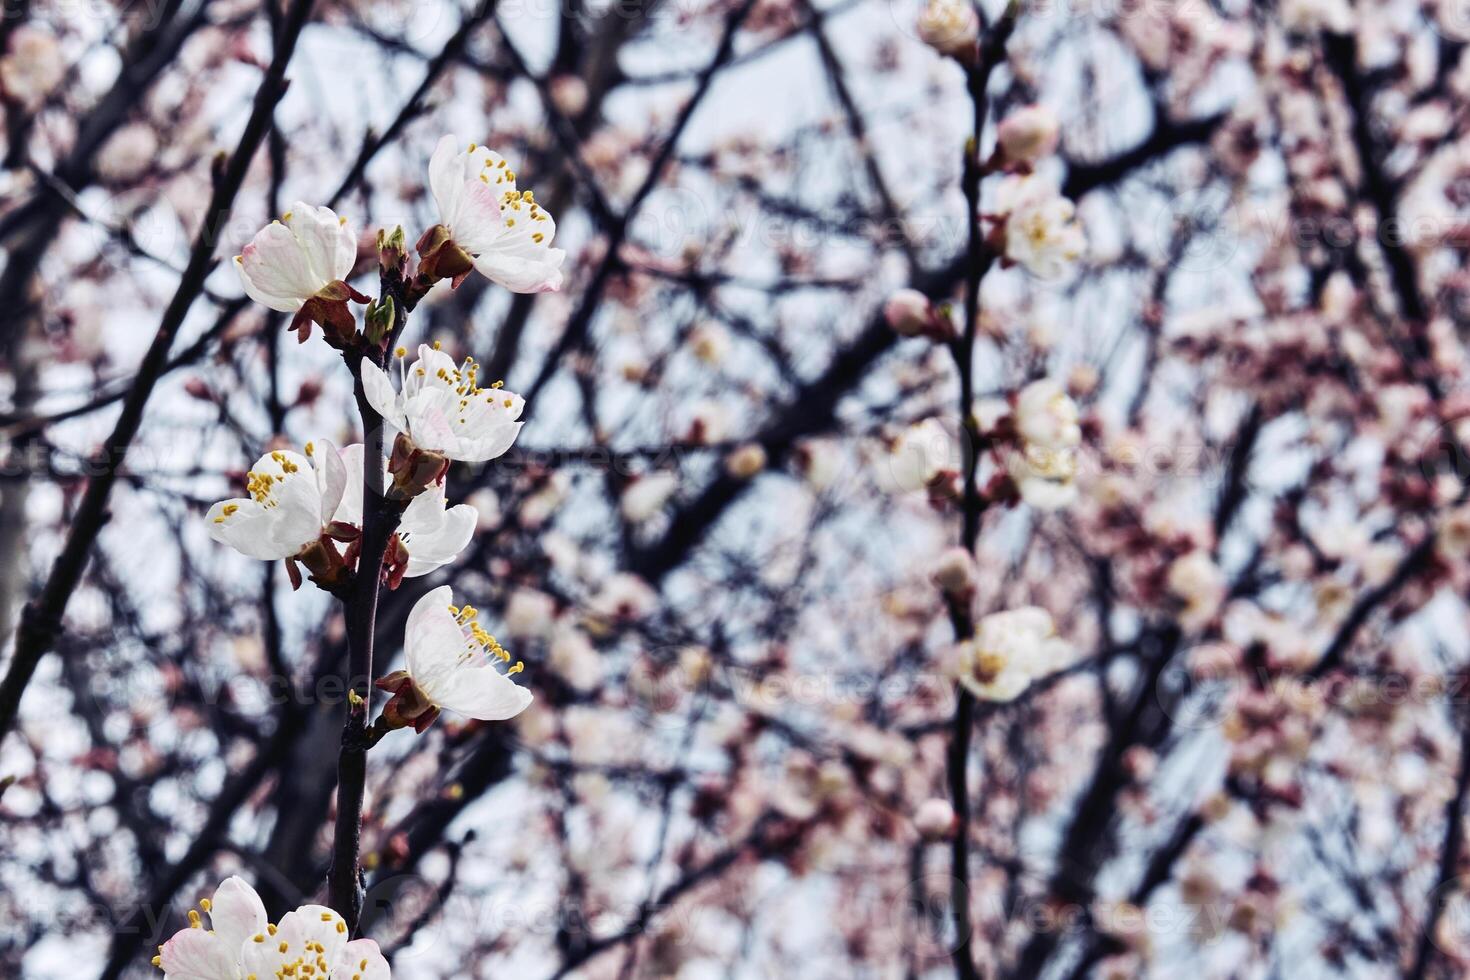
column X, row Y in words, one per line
column 478, row 641
column 262, row 487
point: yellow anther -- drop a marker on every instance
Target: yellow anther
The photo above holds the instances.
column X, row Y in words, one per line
column 286, row 216
column 205, row 904
column 310, row 448
column 520, row 666
column 193, row 919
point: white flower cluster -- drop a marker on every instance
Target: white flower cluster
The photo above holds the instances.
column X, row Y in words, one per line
column 1045, row 469
column 308, row 509
column 241, row 942
column 1008, row 652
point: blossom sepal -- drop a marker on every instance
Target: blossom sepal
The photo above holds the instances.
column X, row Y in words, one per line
column 441, row 258
column 409, row 707
column 324, row 563
column 328, row 309
column 414, row 470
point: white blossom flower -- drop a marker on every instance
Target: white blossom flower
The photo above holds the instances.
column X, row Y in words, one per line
column 529, row 614
column 1008, row 652
column 922, row 453
column 128, row 154
column 1046, row 416
column 573, row 656
column 1310, row 16
column 441, row 408
column 954, row 571
column 710, row 342
column 504, row 230
column 934, row 819
column 1028, row 134
column 432, row 533
column 289, row 262
column 1040, row 231
column 32, row 68
column 908, row 313
column 311, row 941
column 1196, row 579
column 950, row 27
column 746, row 461
column 1045, row 469
column 624, row 597
column 452, row 662
column 646, row 496
column 292, row 499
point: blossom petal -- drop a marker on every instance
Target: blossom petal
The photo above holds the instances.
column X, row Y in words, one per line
column 428, row 551
column 328, row 245
column 246, row 528
column 331, row 477
column 381, row 396
column 481, row 691
column 361, row 960
column 236, row 913
column 197, row 954
column 349, row 508
column 523, row 273
column 432, row 640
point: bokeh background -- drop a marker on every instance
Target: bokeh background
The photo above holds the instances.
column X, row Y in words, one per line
column 711, row 544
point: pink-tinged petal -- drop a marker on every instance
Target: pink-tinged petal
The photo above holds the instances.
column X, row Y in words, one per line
column 323, row 928
column 196, row 954
column 246, row 529
column 432, row 416
column 361, row 960
column 468, row 185
column 328, row 244
column 275, row 271
column 380, row 395
column 479, row 221
column 236, row 913
column 331, row 477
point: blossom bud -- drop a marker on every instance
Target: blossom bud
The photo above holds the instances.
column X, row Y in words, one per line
column 955, row 572
column 392, row 253
column 1027, row 135
column 378, row 321
column 746, row 461
column 569, row 95
column 414, row 470
column 950, row 27
column 408, row 705
column 441, row 258
column 909, row 313
column 935, row 819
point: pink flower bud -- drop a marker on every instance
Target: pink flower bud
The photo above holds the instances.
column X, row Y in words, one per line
column 746, row 461
column 955, row 572
column 1028, row 134
column 909, row 313
column 935, row 819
